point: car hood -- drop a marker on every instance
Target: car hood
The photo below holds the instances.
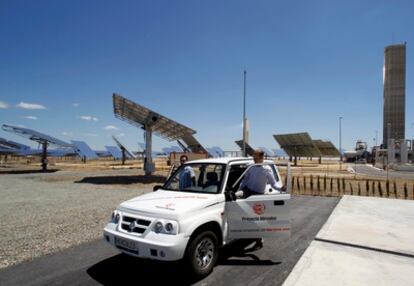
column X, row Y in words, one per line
column 168, row 204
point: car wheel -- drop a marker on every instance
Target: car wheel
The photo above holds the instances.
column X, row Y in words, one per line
column 202, row 253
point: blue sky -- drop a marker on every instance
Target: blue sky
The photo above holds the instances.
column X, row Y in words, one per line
column 308, row 62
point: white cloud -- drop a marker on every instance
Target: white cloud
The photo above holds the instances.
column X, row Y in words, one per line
column 75, row 104
column 91, row 134
column 3, row 105
column 67, row 133
column 111, row 127
column 89, row 118
column 30, row 117
column 26, row 105
column 120, row 135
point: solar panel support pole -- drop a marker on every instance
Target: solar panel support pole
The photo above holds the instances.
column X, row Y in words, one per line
column 44, row 156
column 149, row 166
column 123, row 156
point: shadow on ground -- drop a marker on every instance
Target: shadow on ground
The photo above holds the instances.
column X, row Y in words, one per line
column 240, row 253
column 16, row 172
column 122, row 269
column 123, row 180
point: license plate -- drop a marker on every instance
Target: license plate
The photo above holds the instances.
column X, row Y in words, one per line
column 126, row 243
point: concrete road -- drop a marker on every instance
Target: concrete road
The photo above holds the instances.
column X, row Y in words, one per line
column 97, row 263
column 375, row 172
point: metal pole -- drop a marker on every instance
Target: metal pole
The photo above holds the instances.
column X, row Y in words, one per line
column 44, row 156
column 149, row 165
column 376, row 137
column 340, row 143
column 244, row 116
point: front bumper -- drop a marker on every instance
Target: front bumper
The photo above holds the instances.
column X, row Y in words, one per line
column 151, row 245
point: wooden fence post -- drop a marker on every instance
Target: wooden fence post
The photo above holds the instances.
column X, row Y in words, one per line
column 405, row 191
column 395, row 189
column 338, row 184
column 304, row 185
column 373, row 188
column 380, row 188
column 311, row 184
column 387, row 186
column 331, row 186
column 319, row 186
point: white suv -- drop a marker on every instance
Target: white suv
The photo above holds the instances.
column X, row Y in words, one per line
column 194, row 213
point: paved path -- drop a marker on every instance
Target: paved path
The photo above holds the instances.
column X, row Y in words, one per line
column 97, row 263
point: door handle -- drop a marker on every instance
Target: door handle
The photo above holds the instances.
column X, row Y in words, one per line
column 278, row 203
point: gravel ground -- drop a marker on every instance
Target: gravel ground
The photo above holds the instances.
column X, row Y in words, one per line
column 46, row 213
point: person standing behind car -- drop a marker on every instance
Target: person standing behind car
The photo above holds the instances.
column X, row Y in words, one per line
column 257, row 177
column 254, row 183
column 187, row 175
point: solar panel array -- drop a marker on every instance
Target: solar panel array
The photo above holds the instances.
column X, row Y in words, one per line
column 249, row 149
column 142, row 146
column 193, row 144
column 176, row 149
column 279, row 152
column 218, row 150
column 141, row 116
column 121, row 146
column 35, row 136
column 5, row 150
column 167, row 150
column 83, row 150
column 115, row 152
column 266, row 151
column 298, row 145
column 213, row 152
column 8, row 144
column 326, row 148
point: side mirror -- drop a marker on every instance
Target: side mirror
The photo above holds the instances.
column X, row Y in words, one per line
column 156, row 188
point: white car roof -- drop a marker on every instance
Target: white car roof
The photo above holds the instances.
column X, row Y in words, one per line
column 226, row 160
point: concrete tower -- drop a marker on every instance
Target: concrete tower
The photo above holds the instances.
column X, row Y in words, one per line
column 394, row 93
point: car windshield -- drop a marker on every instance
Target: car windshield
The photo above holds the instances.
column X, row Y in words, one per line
column 197, row 178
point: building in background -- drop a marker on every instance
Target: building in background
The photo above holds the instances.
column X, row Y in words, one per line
column 394, row 93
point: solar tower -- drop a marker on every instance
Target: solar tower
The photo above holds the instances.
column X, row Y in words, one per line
column 394, row 93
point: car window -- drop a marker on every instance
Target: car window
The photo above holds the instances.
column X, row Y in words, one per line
column 235, row 172
column 198, row 178
column 274, row 172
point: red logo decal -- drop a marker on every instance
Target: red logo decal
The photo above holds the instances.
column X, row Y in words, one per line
column 259, row 208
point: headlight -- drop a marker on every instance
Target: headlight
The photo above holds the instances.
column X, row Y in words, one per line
column 169, row 227
column 115, row 217
column 158, row 227
column 166, row 227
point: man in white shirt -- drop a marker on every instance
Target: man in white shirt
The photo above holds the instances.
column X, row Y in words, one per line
column 255, row 181
column 257, row 177
column 187, row 175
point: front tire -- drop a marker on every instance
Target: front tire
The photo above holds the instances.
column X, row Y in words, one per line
column 202, row 253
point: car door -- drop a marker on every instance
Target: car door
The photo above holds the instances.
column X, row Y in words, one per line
column 259, row 216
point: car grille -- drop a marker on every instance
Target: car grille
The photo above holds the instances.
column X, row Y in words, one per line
column 134, row 225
